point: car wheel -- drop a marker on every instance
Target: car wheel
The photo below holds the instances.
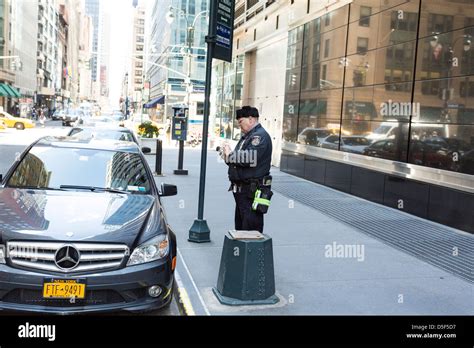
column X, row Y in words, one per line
column 19, row 126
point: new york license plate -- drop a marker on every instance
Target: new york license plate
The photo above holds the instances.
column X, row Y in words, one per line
column 64, row 288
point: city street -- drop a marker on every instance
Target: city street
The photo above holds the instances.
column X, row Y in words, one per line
column 239, row 158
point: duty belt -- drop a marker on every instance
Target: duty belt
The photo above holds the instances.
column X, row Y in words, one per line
column 239, row 186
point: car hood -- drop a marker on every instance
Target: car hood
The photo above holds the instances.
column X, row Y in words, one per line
column 72, row 216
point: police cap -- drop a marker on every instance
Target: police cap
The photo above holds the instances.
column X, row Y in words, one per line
column 247, row 111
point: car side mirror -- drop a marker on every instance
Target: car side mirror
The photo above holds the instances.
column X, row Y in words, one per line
column 146, row 150
column 168, row 190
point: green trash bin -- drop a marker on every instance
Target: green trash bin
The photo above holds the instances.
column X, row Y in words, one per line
column 246, row 274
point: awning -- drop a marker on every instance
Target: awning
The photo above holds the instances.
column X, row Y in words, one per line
column 152, row 104
column 9, row 91
column 3, row 91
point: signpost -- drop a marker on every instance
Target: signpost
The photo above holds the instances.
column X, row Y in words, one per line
column 219, row 45
column 224, row 29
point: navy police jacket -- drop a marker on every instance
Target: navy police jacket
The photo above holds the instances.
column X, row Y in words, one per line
column 252, row 156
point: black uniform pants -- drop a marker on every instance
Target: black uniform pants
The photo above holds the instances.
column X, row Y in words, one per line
column 245, row 217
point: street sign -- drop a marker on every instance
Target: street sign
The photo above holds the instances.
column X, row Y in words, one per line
column 223, row 29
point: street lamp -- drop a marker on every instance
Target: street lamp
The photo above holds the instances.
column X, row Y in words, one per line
column 358, row 72
column 126, row 95
column 452, row 62
column 189, row 86
column 189, row 41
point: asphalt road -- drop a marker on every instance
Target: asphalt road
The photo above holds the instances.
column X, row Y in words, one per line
column 13, row 142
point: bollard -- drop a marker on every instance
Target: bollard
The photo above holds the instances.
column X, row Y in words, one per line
column 246, row 275
column 159, row 157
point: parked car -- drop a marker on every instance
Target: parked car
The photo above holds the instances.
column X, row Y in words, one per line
column 15, row 122
column 58, row 115
column 353, row 144
column 112, row 133
column 467, row 163
column 71, row 116
column 101, row 121
column 311, row 136
column 89, row 236
column 386, row 149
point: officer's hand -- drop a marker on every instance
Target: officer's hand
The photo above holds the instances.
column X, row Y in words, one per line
column 227, row 149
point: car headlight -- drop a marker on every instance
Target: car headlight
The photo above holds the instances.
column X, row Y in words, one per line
column 154, row 249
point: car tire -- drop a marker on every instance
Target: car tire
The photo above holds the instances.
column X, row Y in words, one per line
column 19, row 126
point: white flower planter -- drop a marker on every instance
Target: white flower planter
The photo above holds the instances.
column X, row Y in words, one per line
column 148, row 142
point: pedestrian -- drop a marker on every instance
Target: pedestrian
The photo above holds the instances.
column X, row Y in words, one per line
column 249, row 171
column 42, row 117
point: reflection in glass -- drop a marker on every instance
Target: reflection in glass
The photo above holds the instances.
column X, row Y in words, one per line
column 43, row 167
column 314, row 133
column 454, row 105
column 379, row 112
column 448, row 147
column 387, row 140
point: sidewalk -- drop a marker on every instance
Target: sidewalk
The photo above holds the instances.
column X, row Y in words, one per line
column 386, row 279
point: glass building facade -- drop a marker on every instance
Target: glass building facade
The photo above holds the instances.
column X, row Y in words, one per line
column 226, row 98
column 391, row 79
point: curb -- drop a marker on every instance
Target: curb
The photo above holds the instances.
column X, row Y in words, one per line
column 182, row 298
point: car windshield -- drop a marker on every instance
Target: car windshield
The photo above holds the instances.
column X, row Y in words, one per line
column 43, row 167
column 123, row 135
column 382, row 130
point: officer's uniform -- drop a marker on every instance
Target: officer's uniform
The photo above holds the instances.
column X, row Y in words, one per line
column 246, row 172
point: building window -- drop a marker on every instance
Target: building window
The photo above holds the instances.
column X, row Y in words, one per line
column 362, row 45
column 364, row 19
column 408, row 23
column 359, row 78
column 440, row 23
column 327, row 20
column 467, row 89
column 326, row 48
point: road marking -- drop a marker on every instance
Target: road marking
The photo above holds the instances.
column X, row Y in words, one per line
column 194, row 284
column 183, row 295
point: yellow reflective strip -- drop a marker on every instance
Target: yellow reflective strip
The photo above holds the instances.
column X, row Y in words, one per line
column 184, row 299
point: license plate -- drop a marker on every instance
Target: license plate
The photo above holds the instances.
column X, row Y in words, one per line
column 64, row 288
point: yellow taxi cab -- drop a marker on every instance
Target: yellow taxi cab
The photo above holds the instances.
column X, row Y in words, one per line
column 15, row 122
column 2, row 125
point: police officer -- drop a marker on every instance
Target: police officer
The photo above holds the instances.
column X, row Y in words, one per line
column 249, row 164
